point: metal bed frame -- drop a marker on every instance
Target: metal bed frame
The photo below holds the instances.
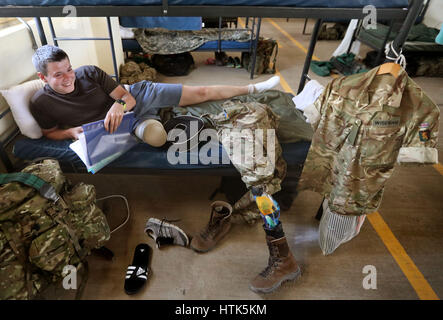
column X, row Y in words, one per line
column 409, row 16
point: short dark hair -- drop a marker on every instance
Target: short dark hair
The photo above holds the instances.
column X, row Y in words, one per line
column 46, row 54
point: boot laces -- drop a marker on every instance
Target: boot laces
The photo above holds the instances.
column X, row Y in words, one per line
column 273, row 261
column 211, row 227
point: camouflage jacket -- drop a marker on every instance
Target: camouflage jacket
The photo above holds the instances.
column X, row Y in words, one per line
column 365, row 123
column 163, row 41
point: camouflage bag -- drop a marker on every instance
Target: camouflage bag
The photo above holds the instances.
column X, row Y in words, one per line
column 46, row 224
column 267, row 49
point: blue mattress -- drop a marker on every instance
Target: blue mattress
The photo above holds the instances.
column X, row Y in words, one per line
column 131, row 45
column 170, row 23
column 142, row 156
column 225, row 45
column 272, row 3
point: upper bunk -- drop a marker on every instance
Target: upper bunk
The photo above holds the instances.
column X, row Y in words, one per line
column 320, row 9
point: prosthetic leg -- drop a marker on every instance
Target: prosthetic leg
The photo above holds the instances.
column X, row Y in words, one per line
column 282, row 265
column 152, row 132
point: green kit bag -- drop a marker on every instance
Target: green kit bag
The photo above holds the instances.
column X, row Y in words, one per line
column 46, row 224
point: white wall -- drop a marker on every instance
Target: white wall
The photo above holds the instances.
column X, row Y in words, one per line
column 434, row 14
column 15, row 66
column 88, row 52
column 16, row 52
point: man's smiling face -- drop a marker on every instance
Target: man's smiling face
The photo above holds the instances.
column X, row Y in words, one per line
column 60, row 76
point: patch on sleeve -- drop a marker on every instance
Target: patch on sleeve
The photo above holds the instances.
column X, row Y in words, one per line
column 424, row 132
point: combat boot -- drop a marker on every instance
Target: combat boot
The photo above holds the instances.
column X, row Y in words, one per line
column 281, row 266
column 218, row 226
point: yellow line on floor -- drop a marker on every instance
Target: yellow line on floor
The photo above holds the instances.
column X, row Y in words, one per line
column 410, row 270
column 283, row 82
column 287, row 35
column 242, row 24
column 439, row 168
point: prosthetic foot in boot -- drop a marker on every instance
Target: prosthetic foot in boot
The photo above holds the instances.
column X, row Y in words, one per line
column 218, row 226
column 281, row 264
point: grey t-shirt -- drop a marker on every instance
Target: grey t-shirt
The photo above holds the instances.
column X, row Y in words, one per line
column 90, row 100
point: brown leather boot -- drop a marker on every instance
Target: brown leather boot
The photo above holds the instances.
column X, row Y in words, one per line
column 218, row 226
column 281, row 267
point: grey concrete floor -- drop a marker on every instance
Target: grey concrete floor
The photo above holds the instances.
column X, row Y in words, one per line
column 412, row 208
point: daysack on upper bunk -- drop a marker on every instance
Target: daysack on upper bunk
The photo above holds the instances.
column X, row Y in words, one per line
column 267, row 49
column 173, row 64
column 46, row 224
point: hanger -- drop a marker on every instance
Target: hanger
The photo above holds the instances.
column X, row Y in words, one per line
column 389, row 67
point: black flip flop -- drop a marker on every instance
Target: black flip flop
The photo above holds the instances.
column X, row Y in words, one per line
column 138, row 272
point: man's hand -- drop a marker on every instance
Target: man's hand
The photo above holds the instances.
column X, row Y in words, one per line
column 74, row 132
column 114, row 117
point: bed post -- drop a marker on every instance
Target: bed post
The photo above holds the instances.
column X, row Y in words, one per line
column 220, row 21
column 51, row 27
column 41, row 31
column 413, row 12
column 111, row 40
column 381, row 51
column 254, row 51
column 309, row 55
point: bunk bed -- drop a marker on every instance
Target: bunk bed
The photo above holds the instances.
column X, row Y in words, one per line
column 130, row 44
column 144, row 159
column 176, row 25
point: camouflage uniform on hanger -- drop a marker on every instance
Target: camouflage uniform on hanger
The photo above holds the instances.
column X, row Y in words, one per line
column 364, row 123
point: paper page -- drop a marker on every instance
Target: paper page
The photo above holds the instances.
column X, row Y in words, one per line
column 81, row 152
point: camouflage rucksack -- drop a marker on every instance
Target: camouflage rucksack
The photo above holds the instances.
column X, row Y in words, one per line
column 39, row 234
column 267, row 49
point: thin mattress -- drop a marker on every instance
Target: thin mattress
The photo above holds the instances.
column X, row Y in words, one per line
column 143, row 156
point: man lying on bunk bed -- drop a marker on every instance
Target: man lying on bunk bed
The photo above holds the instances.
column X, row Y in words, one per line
column 72, row 98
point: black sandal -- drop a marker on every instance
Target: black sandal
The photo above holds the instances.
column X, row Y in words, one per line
column 137, row 273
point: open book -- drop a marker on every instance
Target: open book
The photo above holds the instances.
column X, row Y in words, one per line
column 96, row 147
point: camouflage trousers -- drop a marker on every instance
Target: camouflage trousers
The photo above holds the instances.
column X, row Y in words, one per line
column 247, row 131
column 163, row 41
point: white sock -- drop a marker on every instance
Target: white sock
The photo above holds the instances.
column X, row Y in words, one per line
column 264, row 85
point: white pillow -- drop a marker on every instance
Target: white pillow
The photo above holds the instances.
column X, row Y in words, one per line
column 18, row 98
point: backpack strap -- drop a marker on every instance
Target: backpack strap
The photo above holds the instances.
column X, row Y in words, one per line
column 46, row 190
